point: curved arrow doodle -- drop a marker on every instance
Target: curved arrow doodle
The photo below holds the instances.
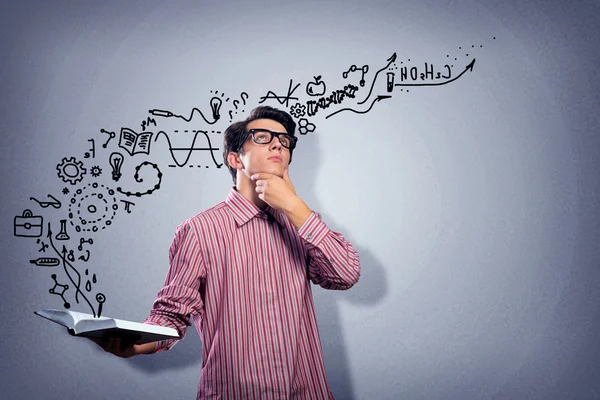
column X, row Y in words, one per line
column 379, row 98
column 390, row 61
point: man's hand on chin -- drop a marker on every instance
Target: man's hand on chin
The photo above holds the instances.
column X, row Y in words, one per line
column 279, row 193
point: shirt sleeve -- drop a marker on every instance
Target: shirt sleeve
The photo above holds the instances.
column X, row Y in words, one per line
column 179, row 298
column 332, row 261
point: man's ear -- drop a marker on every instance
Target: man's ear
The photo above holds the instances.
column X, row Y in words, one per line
column 234, row 160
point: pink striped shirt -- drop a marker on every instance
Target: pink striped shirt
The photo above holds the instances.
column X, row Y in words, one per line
column 243, row 275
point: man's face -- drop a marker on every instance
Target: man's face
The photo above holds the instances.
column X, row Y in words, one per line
column 263, row 157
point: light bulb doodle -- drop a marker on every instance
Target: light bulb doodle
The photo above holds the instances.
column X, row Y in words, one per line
column 215, row 106
column 116, row 162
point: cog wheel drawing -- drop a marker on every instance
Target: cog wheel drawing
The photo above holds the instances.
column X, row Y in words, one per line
column 304, row 126
column 70, row 170
column 298, row 110
column 95, row 171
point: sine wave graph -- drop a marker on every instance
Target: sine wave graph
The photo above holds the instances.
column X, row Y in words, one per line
column 189, row 149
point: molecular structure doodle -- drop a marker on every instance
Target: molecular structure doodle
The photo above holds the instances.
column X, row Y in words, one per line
column 86, row 181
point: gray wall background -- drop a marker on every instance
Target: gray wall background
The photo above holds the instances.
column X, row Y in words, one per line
column 474, row 206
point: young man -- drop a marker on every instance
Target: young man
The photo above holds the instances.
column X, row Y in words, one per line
column 241, row 271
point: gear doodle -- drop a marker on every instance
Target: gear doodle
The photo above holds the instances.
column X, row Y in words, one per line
column 95, row 171
column 304, row 126
column 70, row 170
column 298, row 110
column 91, row 207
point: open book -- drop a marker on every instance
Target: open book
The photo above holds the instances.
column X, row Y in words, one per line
column 135, row 143
column 81, row 324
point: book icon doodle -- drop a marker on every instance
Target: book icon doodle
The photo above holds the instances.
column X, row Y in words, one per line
column 135, row 143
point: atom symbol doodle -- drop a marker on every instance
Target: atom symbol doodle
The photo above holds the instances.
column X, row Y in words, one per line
column 91, row 207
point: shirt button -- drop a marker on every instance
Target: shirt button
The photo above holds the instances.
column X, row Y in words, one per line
column 331, row 260
column 308, row 237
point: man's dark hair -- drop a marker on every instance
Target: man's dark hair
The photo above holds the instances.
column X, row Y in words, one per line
column 234, row 134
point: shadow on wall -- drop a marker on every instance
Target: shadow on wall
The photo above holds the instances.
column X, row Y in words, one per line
column 370, row 289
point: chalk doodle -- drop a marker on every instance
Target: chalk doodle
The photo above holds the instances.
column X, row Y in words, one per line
column 70, row 170
column 428, row 74
column 46, row 262
column 336, row 97
column 364, row 69
column 28, row 225
column 54, row 203
column 111, row 135
column 93, row 206
column 305, row 127
column 62, row 235
column 128, row 205
column 147, row 122
column 83, row 241
column 95, row 171
column 168, row 114
column 190, row 149
column 390, row 61
column 138, row 179
column 281, row 99
column 44, row 246
column 116, row 162
column 61, row 292
column 63, row 256
column 135, row 143
column 92, row 151
column 377, row 99
column 316, row 88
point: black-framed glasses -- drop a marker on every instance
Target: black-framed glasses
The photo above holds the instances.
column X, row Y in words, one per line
column 265, row 136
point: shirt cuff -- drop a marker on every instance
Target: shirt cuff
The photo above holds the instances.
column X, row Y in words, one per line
column 159, row 345
column 314, row 230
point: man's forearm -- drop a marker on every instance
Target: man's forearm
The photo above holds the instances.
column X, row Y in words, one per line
column 298, row 212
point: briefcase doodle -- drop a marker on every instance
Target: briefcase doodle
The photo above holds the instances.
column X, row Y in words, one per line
column 28, row 225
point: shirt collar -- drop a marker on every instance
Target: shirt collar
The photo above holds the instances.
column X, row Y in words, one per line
column 243, row 209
